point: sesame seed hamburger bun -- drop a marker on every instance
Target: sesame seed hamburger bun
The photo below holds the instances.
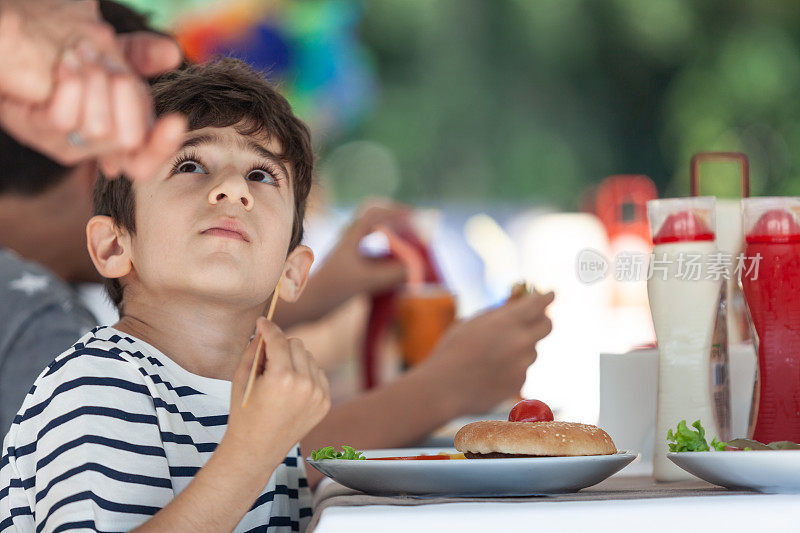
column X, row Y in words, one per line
column 498, row 438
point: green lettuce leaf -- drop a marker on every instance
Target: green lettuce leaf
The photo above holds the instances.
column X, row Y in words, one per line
column 691, row 440
column 329, row 452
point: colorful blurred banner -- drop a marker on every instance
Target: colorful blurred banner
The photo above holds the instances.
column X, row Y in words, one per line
column 310, row 48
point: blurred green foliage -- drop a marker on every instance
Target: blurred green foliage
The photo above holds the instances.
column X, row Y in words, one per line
column 535, row 100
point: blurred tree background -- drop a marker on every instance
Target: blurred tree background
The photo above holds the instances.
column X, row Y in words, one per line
column 533, row 101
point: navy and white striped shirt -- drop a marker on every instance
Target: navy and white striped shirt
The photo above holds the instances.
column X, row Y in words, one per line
column 111, row 431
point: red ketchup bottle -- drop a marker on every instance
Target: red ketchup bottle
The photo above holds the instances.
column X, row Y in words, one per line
column 771, row 286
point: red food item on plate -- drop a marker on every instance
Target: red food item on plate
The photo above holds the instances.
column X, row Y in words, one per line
column 530, row 411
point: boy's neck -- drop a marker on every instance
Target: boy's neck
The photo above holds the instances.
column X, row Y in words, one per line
column 205, row 339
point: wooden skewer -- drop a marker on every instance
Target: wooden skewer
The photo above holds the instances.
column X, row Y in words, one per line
column 260, row 348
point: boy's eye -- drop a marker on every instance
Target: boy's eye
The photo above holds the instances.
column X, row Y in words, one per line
column 261, row 175
column 190, row 167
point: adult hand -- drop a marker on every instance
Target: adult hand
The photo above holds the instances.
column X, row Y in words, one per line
column 483, row 361
column 36, row 34
column 72, row 90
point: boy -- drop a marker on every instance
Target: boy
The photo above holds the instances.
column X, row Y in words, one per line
column 143, row 425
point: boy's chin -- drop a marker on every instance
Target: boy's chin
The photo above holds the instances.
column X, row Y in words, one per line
column 236, row 290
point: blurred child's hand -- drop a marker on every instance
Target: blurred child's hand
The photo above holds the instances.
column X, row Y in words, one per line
column 289, row 397
column 483, row 361
column 346, row 262
column 346, row 271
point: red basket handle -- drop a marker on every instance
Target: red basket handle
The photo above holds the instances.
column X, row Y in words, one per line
column 705, row 157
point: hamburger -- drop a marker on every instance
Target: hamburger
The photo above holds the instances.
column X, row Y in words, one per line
column 493, row 439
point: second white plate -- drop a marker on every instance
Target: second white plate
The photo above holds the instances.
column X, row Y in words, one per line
column 763, row 471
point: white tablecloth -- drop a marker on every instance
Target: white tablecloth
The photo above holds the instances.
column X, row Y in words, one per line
column 715, row 513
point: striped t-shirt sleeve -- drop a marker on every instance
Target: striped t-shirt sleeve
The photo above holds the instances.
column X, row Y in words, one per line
column 85, row 452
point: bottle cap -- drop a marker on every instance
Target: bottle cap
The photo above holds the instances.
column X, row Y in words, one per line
column 682, row 219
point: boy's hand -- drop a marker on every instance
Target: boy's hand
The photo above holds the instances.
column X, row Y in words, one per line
column 287, row 400
column 483, row 361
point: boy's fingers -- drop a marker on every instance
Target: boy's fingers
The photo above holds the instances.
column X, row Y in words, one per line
column 242, row 373
column 322, row 380
column 300, row 361
column 276, row 346
column 386, row 272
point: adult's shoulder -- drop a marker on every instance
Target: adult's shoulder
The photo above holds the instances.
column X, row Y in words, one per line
column 27, row 290
column 40, row 317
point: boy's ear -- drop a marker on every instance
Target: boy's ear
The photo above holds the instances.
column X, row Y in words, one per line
column 108, row 246
column 295, row 273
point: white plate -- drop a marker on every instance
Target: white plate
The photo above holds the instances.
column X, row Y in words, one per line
column 471, row 477
column 764, row 471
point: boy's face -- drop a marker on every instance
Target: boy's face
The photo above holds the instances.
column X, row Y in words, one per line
column 217, row 221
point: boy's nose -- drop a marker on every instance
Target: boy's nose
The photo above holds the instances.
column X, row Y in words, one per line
column 234, row 192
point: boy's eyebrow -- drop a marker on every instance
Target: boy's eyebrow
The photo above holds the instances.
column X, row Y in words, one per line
column 249, row 145
column 253, row 146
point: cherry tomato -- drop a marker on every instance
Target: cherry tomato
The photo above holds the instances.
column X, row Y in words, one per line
column 530, row 411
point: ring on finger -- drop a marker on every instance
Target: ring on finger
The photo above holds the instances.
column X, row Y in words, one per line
column 76, row 139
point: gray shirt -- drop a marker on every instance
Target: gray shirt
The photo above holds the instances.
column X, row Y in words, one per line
column 40, row 317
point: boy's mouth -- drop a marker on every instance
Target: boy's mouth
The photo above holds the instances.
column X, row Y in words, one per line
column 228, row 228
